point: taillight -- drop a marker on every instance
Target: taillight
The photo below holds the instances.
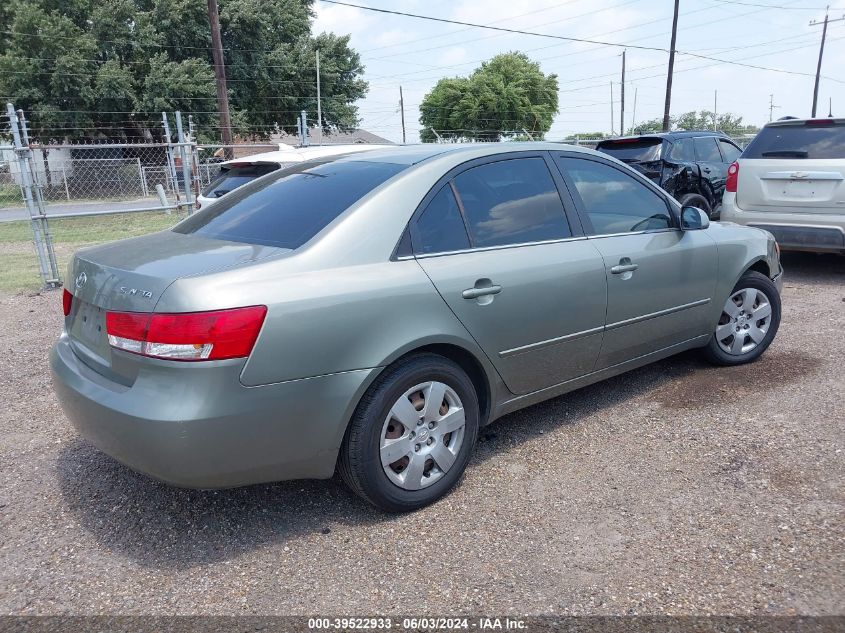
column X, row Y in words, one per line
column 215, row 335
column 819, row 122
column 733, row 177
column 67, row 301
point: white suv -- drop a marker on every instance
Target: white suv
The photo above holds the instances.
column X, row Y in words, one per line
column 790, row 180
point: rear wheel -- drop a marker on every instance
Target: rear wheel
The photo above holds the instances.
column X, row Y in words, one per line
column 696, row 200
column 412, row 435
column 749, row 321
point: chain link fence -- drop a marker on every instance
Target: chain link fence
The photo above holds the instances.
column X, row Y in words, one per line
column 76, row 194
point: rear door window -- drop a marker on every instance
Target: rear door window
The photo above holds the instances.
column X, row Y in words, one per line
column 633, row 150
column 291, row 206
column 440, row 228
column 730, row 152
column 682, row 151
column 511, row 201
column 233, row 177
column 706, row 149
column 814, row 141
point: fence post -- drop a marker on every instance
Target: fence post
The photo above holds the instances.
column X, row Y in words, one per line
column 171, row 165
column 304, row 128
column 141, row 177
column 162, row 198
column 64, row 180
column 184, row 153
column 47, row 265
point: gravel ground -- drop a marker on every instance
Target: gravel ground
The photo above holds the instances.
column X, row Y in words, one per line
column 678, row 488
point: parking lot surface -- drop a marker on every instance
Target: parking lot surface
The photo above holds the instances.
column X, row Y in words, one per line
column 678, row 488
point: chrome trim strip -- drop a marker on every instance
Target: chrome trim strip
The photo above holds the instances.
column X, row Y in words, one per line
column 551, row 341
column 612, row 326
column 794, row 225
column 659, row 313
column 498, row 247
column 671, row 229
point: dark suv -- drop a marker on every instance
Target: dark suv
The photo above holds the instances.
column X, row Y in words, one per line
column 691, row 166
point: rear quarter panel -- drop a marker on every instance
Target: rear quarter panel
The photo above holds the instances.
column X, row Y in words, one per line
column 331, row 320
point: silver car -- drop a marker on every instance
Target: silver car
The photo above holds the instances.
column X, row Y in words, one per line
column 368, row 314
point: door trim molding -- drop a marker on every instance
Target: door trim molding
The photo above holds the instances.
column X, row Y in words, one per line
column 596, row 330
column 659, row 313
column 552, row 341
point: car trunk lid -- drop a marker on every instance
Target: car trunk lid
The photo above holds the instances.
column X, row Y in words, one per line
column 131, row 276
column 814, row 186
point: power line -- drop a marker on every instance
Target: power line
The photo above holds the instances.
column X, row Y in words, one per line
column 563, row 37
column 773, row 6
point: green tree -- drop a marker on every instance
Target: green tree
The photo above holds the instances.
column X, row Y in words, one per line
column 503, row 98
column 80, row 68
column 728, row 123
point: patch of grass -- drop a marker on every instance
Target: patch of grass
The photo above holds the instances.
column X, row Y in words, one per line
column 10, row 195
column 19, row 271
column 18, row 261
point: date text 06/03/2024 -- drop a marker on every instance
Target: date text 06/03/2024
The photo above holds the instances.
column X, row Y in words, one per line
column 420, row 623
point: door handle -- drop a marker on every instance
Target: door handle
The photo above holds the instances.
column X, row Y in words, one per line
column 624, row 268
column 475, row 293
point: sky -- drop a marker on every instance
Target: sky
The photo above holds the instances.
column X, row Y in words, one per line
column 775, row 34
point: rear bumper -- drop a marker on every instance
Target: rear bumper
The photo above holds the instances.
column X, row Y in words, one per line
column 200, row 428
column 816, row 232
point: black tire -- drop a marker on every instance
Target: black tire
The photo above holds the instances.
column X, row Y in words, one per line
column 696, row 200
column 714, row 353
column 359, row 462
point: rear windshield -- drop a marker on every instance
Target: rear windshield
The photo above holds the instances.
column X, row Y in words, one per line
column 630, row 151
column 229, row 179
column 290, row 206
column 798, row 141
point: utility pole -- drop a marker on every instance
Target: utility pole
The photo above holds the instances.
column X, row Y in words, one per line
column 715, row 108
column 821, row 54
column 612, row 133
column 772, row 106
column 319, row 105
column 220, row 76
column 402, row 112
column 634, row 114
column 668, row 104
column 622, row 99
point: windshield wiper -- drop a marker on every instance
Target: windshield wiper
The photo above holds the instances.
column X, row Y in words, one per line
column 792, row 153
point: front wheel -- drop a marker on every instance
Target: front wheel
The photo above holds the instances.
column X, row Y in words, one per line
column 412, row 435
column 749, row 321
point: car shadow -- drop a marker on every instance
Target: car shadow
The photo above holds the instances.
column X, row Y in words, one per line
column 820, row 269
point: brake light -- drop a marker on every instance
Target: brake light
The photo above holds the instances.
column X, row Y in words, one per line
column 819, row 122
column 67, row 301
column 189, row 336
column 733, row 177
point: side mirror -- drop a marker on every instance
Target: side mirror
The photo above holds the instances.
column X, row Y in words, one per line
column 693, row 219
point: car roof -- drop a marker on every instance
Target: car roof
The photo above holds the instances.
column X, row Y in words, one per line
column 299, row 154
column 668, row 135
column 413, row 154
column 792, row 122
